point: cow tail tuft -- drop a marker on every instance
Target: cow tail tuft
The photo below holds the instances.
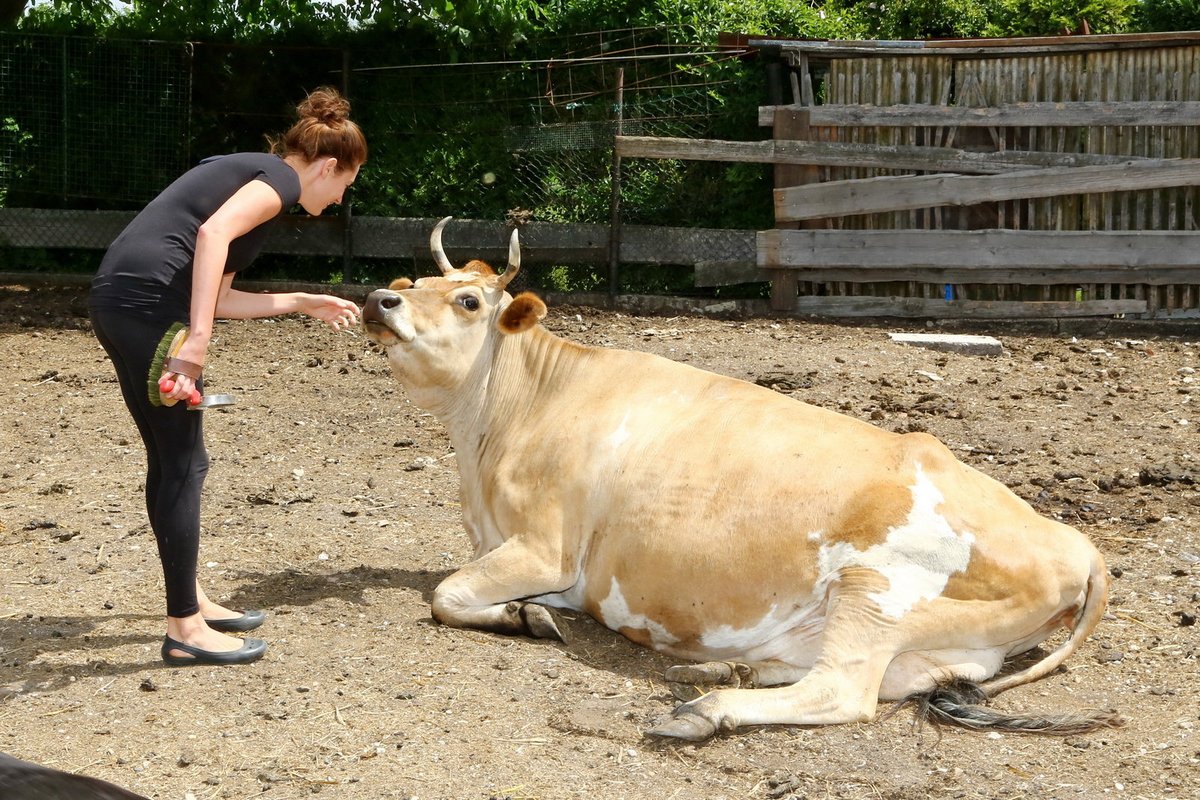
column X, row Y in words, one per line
column 962, row 703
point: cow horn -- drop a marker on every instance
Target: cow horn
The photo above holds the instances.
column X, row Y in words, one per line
column 435, row 244
column 514, row 260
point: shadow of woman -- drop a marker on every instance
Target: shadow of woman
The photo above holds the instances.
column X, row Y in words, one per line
column 24, row 640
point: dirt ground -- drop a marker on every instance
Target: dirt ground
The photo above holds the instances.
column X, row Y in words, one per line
column 333, row 503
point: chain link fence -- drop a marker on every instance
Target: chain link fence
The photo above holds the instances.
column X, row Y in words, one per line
column 102, row 124
column 85, row 119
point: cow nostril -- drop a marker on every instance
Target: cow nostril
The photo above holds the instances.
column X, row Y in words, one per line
column 391, row 301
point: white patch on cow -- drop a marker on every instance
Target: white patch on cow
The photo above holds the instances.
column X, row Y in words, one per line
column 615, row 613
column 621, row 435
column 463, row 277
column 815, row 536
column 770, row 628
column 918, row 557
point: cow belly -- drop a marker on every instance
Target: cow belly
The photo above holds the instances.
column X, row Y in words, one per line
column 792, row 638
column 797, row 646
column 790, row 634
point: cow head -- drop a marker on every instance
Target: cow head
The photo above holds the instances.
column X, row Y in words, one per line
column 437, row 329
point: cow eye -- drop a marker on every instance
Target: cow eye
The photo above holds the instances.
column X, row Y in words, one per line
column 470, row 302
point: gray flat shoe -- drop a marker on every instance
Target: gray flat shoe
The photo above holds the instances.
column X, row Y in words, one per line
column 248, row 621
column 251, row 650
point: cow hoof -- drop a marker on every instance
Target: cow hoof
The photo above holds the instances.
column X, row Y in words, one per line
column 712, row 673
column 687, row 726
column 541, row 622
column 684, row 692
column 685, row 680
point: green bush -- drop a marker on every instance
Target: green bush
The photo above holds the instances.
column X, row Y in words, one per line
column 1050, row 17
column 1168, row 15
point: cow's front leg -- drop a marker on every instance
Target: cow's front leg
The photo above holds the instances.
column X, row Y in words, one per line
column 488, row 593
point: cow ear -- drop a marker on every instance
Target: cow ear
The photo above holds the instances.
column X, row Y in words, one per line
column 400, row 284
column 525, row 311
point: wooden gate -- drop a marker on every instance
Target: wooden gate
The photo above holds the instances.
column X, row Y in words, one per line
column 981, row 178
column 1075, row 191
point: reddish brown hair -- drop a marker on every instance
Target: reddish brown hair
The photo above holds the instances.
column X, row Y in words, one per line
column 324, row 130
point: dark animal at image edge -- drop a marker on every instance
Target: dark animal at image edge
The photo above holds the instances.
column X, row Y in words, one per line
column 775, row 543
column 21, row 780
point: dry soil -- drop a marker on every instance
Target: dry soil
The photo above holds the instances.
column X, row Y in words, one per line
column 333, row 502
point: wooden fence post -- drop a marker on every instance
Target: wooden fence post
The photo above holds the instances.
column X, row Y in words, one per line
column 792, row 124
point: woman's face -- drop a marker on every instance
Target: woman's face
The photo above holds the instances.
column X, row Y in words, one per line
column 331, row 183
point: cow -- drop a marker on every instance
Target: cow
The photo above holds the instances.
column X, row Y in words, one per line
column 769, row 542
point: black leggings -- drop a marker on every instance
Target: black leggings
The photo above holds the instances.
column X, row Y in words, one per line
column 177, row 461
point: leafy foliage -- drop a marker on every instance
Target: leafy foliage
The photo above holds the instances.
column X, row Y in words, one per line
column 1168, row 15
column 1048, row 17
column 926, row 19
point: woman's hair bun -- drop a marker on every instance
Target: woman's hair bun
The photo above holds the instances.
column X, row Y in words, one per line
column 324, row 130
column 325, row 105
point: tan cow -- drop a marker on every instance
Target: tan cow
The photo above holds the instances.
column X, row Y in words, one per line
column 777, row 543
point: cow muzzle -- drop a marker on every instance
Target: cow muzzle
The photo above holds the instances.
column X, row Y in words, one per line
column 383, row 318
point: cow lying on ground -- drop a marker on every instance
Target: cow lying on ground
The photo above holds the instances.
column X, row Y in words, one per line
column 777, row 543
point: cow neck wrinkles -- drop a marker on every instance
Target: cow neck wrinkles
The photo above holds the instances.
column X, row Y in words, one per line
column 459, row 409
column 523, row 368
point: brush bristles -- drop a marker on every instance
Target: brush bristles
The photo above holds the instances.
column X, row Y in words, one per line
column 156, row 364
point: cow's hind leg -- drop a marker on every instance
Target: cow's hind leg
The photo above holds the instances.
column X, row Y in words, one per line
column 685, row 680
column 843, row 685
column 486, row 594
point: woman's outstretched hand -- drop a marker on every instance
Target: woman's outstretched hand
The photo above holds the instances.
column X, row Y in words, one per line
column 335, row 312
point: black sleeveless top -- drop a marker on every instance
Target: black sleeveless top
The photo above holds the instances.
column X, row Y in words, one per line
column 148, row 269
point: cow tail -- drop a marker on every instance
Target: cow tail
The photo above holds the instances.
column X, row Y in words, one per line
column 962, row 703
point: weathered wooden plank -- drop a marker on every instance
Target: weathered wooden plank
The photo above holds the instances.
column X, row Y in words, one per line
column 917, row 307
column 386, row 237
column 992, row 48
column 408, row 237
column 305, row 235
column 899, row 157
column 1050, row 277
column 991, row 249
column 52, row 228
column 873, row 195
column 1090, row 112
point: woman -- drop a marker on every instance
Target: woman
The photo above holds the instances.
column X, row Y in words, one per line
column 175, row 263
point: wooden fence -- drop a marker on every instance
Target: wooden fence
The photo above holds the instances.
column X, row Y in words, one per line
column 974, row 178
column 996, row 178
column 407, row 238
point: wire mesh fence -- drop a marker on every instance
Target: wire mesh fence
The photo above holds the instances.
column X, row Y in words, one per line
column 101, row 124
column 105, row 121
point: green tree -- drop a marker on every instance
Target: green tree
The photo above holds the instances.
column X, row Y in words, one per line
column 70, row 17
column 1168, row 15
column 1050, row 17
column 924, row 19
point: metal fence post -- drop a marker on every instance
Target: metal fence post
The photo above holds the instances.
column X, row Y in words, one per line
column 614, row 207
column 347, row 200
